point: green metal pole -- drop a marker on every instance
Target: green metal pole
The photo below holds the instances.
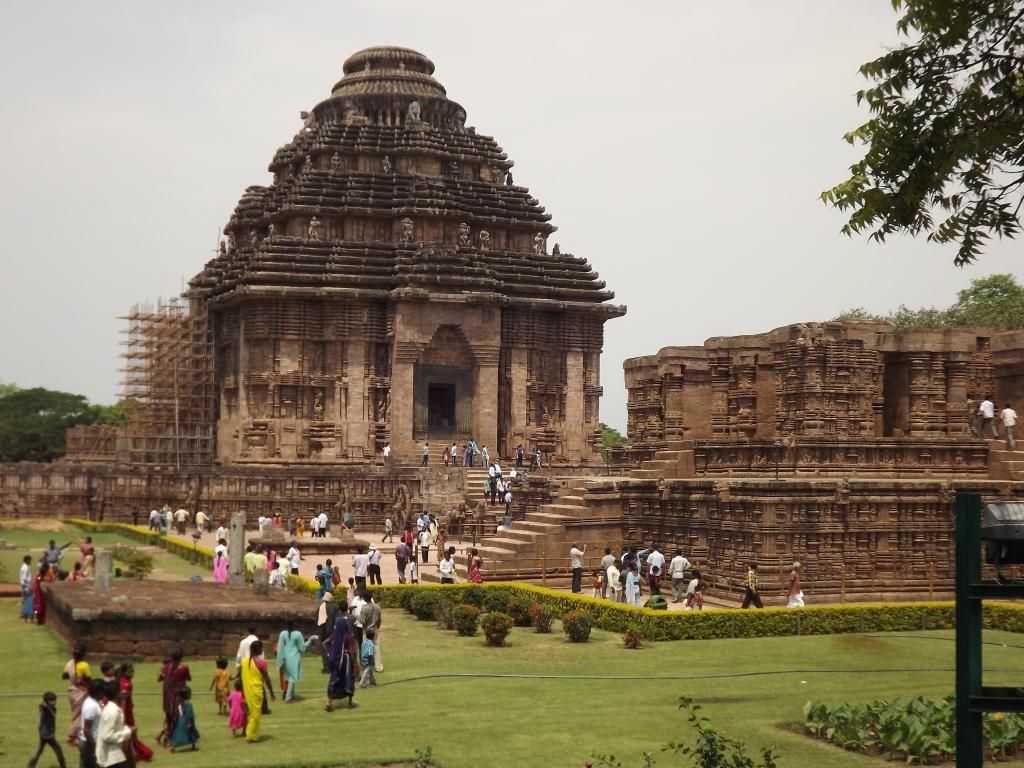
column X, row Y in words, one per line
column 969, row 725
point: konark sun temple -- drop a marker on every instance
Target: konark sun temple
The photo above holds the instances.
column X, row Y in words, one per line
column 393, row 285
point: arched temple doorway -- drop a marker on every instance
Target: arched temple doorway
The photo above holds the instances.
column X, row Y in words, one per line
column 443, row 388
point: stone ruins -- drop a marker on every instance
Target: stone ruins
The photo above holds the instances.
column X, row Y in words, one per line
column 392, row 284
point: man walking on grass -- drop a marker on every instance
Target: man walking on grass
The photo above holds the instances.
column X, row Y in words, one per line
column 576, row 563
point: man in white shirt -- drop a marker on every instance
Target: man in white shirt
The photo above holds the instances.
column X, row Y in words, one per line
column 576, row 563
column 606, row 562
column 154, row 519
column 677, row 572
column 360, row 566
column 447, row 567
column 314, row 526
column 389, row 531
column 222, row 533
column 202, row 520
column 424, row 542
column 243, row 646
column 1009, row 419
column 89, row 729
column 294, row 558
column 323, row 525
column 181, row 517
column 387, row 452
column 25, row 578
column 112, row 733
column 373, row 570
column 655, row 560
column 987, row 411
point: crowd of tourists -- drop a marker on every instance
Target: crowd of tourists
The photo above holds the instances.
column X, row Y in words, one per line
column 622, row 578
column 34, row 576
column 473, row 455
column 102, row 726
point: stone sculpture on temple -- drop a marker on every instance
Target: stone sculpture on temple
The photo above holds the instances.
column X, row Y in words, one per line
column 464, row 240
column 313, row 232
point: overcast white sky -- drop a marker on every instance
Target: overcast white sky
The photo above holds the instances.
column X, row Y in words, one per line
column 680, row 146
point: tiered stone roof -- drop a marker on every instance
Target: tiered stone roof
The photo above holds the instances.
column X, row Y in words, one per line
column 385, row 192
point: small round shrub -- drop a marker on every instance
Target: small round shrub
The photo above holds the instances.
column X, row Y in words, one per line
column 466, row 619
column 576, row 625
column 542, row 616
column 519, row 609
column 423, row 604
column 633, row 639
column 496, row 626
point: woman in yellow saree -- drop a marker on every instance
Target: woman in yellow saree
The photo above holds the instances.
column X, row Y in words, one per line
column 255, row 684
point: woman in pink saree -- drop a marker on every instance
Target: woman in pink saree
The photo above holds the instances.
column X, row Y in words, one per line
column 220, row 562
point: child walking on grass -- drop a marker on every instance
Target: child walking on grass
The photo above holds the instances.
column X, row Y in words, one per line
column 219, row 685
column 185, row 733
column 366, row 654
column 236, row 704
column 48, row 730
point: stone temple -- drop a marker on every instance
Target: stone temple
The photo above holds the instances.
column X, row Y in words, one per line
column 393, row 283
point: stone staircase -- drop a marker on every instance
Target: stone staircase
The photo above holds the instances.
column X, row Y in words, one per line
column 675, row 461
column 541, row 540
column 1004, row 464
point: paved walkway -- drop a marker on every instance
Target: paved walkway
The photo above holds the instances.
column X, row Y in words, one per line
column 388, row 565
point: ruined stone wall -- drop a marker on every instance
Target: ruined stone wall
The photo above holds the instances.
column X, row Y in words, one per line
column 841, row 381
column 867, row 539
column 302, row 380
column 109, row 492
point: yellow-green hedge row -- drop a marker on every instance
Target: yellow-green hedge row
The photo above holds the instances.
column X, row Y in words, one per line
column 654, row 625
column 716, row 624
column 200, row 555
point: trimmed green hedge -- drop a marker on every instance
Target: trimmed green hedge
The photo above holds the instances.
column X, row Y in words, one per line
column 653, row 625
column 199, row 555
column 708, row 625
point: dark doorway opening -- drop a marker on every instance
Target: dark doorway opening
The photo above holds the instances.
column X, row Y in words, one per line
column 441, row 410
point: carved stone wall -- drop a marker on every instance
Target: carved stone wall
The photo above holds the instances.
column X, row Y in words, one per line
column 869, row 539
column 110, row 492
column 842, row 381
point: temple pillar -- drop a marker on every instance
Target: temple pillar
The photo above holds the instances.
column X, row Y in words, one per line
column 573, row 423
column 358, row 412
column 520, row 374
column 485, row 396
column 402, row 383
column 236, row 549
column 956, row 395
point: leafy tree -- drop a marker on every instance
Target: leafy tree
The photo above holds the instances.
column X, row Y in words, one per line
column 33, row 422
column 945, row 143
column 610, row 437
column 115, row 415
column 996, row 301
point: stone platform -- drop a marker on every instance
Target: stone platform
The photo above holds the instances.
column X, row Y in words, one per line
column 147, row 619
column 310, row 546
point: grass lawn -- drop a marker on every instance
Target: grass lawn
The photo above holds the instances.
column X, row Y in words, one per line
column 463, row 700
column 31, row 541
column 471, row 722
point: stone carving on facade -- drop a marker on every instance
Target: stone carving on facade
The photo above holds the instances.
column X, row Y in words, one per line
column 485, row 240
column 407, row 234
column 413, row 119
column 557, row 250
column 538, row 244
column 270, row 230
column 343, row 507
column 460, row 121
column 453, row 169
column 254, row 238
column 383, row 405
column 222, row 248
column 352, row 115
column 335, row 163
column 401, row 507
column 231, row 241
column 313, row 232
column 318, row 406
column 464, row 234
column 508, row 179
column 385, row 165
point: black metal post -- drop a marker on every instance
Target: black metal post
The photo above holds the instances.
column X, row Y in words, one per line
column 969, row 723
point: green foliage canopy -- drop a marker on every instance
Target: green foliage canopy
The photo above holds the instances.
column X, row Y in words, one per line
column 33, row 422
column 996, row 301
column 945, row 143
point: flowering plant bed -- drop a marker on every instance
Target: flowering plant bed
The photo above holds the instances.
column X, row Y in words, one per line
column 918, row 730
